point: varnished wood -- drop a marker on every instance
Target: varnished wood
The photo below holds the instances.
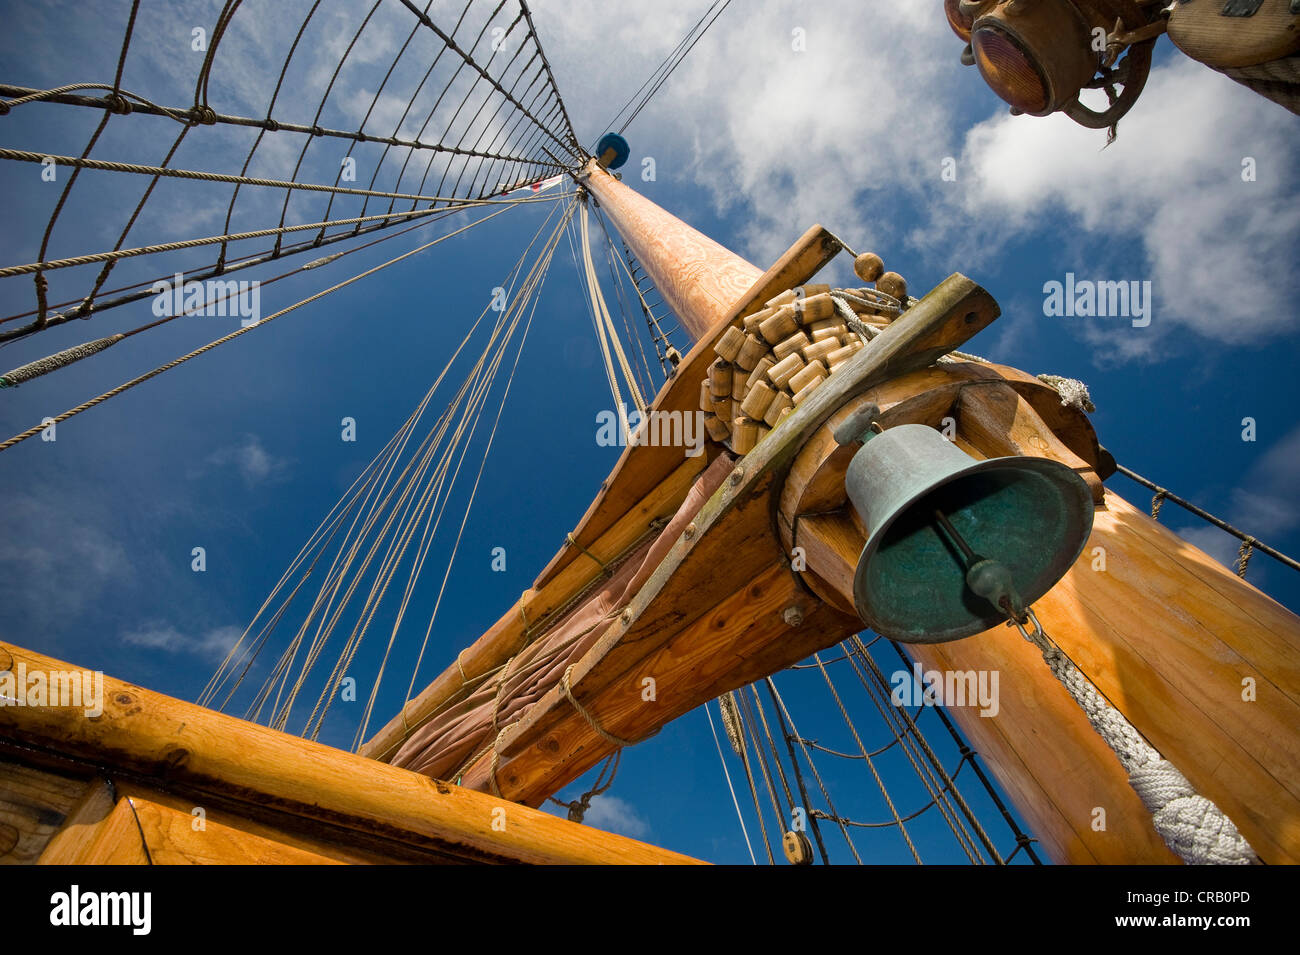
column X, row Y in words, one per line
column 33, row 805
column 641, row 467
column 699, row 279
column 69, row 843
column 151, row 737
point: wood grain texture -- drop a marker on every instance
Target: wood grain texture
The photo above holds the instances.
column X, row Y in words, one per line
column 148, row 736
column 1200, row 31
column 68, row 844
column 33, row 805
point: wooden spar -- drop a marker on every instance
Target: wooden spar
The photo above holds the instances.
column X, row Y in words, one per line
column 722, row 608
column 699, row 279
column 248, row 773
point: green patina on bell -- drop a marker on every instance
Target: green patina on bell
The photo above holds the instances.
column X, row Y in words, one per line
column 1014, row 526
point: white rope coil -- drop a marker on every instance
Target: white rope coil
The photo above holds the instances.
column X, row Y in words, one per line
column 1193, row 827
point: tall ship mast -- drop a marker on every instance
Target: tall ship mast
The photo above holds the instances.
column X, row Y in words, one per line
column 815, row 478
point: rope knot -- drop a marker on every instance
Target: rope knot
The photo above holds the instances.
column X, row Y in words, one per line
column 119, row 104
column 270, row 125
column 203, row 116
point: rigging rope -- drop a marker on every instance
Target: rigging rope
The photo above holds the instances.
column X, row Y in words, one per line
column 126, row 386
column 727, row 774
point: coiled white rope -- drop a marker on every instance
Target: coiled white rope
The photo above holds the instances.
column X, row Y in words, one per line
column 1193, row 827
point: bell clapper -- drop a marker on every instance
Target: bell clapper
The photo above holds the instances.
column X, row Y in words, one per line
column 988, row 578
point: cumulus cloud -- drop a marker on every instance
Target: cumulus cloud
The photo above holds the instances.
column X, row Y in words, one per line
column 853, row 131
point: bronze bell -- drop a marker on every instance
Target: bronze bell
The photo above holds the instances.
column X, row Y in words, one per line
column 956, row 545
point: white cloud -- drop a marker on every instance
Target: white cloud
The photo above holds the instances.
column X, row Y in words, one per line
column 852, row 133
column 212, row 644
column 253, row 462
column 1215, row 247
column 616, row 815
column 56, row 558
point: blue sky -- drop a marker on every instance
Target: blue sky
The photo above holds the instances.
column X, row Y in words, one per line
column 240, row 452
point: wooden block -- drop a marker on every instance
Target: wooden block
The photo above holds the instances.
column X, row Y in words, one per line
column 720, row 375
column 818, row 351
column 706, row 396
column 744, row 435
column 785, row 298
column 843, row 354
column 728, row 346
column 814, row 371
column 806, row 390
column 751, row 322
column 785, row 369
column 788, row 346
column 815, row 308
column 738, row 387
column 724, row 408
column 716, row 427
column 751, row 352
column 781, row 402
column 816, row 289
column 760, row 371
column 757, row 400
column 783, row 323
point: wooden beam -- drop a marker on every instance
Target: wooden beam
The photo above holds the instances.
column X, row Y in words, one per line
column 166, row 743
column 731, row 540
column 648, row 482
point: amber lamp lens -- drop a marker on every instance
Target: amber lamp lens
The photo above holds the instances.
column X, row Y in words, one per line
column 1009, row 69
column 959, row 22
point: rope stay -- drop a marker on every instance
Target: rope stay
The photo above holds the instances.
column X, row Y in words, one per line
column 387, row 523
column 1249, row 544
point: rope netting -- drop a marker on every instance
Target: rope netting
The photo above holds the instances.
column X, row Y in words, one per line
column 275, row 130
column 862, row 790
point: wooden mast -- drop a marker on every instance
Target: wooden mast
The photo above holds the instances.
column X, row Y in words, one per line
column 699, row 279
column 1167, row 634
